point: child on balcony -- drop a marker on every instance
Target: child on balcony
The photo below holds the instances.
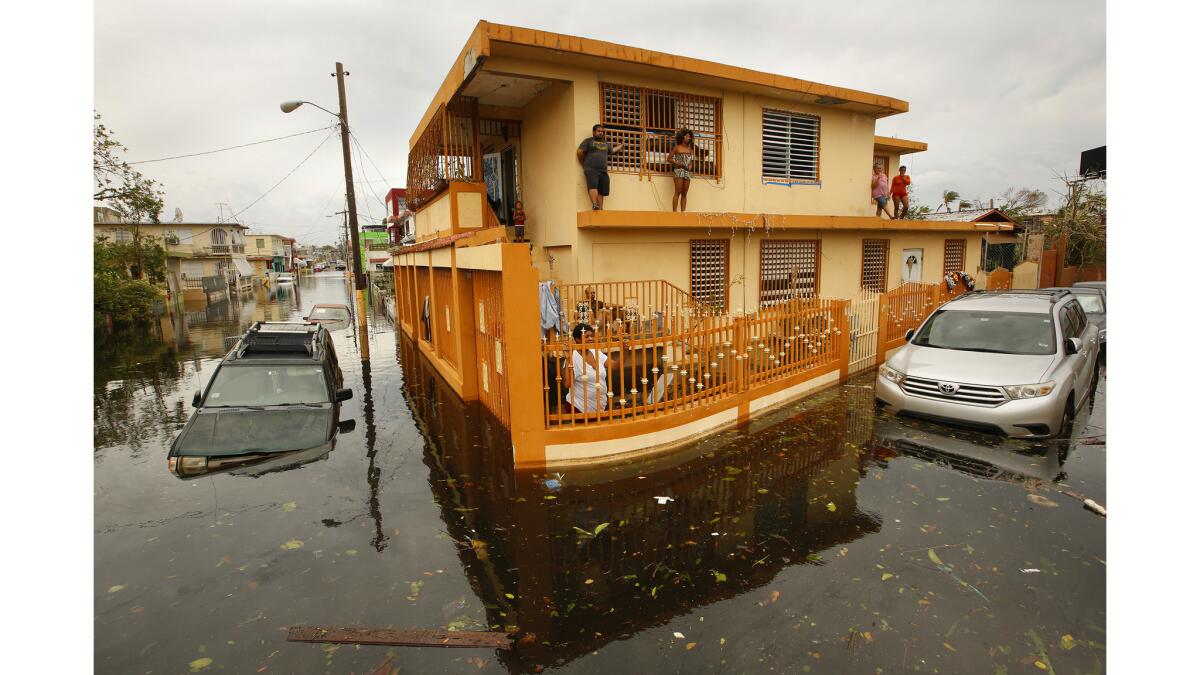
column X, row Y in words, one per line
column 519, row 220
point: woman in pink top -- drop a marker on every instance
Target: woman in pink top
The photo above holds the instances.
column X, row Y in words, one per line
column 879, row 191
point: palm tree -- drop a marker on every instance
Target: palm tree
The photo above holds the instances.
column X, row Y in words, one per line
column 947, row 197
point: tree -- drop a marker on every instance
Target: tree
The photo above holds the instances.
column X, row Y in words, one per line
column 947, row 197
column 1082, row 218
column 1021, row 202
column 118, row 185
column 116, row 294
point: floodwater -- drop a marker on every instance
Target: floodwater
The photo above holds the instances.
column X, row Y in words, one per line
column 823, row 538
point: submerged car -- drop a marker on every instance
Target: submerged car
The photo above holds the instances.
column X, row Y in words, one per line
column 286, row 278
column 279, row 390
column 1017, row 363
column 332, row 316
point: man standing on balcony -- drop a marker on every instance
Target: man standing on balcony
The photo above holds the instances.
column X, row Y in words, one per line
column 593, row 155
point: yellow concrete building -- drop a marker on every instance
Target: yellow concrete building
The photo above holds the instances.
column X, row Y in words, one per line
column 778, row 211
column 194, row 250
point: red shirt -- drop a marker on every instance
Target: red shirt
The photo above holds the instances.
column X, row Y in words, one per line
column 900, row 186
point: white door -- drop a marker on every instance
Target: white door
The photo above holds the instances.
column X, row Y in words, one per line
column 910, row 265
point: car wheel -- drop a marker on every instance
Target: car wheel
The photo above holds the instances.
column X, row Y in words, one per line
column 1068, row 419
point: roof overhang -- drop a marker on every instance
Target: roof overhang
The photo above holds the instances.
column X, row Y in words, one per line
column 608, row 219
column 900, row 146
column 489, row 39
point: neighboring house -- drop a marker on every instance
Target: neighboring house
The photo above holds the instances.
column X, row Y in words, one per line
column 270, row 254
column 1000, row 249
column 779, row 209
column 400, row 220
column 194, row 251
column 374, row 245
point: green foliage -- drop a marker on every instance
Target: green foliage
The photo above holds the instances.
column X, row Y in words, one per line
column 1083, row 219
column 135, row 197
column 115, row 293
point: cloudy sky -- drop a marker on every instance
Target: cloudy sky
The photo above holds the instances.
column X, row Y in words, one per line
column 1006, row 94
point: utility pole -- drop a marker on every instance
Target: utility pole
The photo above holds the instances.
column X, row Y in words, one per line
column 359, row 278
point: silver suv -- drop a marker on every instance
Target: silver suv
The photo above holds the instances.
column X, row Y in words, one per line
column 1019, row 363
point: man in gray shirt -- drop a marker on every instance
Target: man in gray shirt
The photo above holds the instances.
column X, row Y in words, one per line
column 593, row 155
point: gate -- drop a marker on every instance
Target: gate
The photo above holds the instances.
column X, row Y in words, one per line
column 863, row 312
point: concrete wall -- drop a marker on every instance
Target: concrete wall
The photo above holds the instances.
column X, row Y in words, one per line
column 548, row 167
column 435, row 217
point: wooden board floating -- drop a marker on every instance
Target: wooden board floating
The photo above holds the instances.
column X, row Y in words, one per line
column 401, row 638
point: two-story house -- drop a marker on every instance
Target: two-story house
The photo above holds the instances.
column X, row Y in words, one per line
column 269, row 254
column 778, row 220
column 194, row 251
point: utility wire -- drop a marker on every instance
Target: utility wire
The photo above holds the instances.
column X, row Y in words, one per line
column 367, row 202
column 306, row 158
column 368, row 156
column 233, row 147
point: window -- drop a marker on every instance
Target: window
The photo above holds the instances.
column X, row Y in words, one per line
column 710, row 271
column 882, row 161
column 122, row 236
column 218, row 236
column 787, row 269
column 645, row 121
column 956, row 253
column 791, row 147
column 259, row 243
column 874, row 264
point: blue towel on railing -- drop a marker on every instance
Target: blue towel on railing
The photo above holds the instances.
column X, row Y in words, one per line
column 551, row 302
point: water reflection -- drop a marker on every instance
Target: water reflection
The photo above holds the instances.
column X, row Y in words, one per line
column 601, row 556
column 973, row 454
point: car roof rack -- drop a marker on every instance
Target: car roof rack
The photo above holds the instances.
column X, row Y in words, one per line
column 277, row 337
column 1053, row 294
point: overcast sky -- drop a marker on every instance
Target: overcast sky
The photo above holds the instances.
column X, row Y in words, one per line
column 1006, row 94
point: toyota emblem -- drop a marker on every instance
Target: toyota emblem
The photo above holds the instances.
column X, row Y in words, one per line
column 948, row 388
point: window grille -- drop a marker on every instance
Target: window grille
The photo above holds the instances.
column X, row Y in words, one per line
column 710, row 271
column 874, row 264
column 956, row 250
column 791, row 147
column 122, row 236
column 645, row 122
column 787, row 269
column 218, row 236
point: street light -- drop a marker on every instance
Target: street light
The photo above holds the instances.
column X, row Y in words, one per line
column 343, row 121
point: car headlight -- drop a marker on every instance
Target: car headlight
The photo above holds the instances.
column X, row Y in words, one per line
column 1018, row 391
column 891, row 374
column 191, row 465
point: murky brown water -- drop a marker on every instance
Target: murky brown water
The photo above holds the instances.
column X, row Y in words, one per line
column 823, row 538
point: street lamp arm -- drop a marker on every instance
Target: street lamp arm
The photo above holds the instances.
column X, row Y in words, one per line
column 289, row 106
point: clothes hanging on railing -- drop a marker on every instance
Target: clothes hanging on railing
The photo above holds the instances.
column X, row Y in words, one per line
column 550, row 302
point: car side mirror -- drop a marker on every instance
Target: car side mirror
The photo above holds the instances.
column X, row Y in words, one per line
column 343, row 395
column 346, row 426
column 908, row 334
column 1073, row 345
column 196, row 399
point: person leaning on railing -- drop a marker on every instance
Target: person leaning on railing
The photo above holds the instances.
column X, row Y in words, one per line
column 587, row 371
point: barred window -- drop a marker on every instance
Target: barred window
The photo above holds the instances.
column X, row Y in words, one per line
column 645, row 122
column 791, row 147
column 956, row 250
column 874, row 264
column 122, row 236
column 710, row 271
column 787, row 269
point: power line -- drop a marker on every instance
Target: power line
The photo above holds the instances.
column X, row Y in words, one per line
column 368, row 156
column 233, row 147
column 306, row 158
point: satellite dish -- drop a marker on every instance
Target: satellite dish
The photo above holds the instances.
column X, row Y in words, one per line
column 178, row 215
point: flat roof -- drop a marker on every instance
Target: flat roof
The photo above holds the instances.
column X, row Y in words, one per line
column 899, row 145
column 486, row 37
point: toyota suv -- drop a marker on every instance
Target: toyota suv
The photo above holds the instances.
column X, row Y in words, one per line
column 1020, row 363
column 277, row 391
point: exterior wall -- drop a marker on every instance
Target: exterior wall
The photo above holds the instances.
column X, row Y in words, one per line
column 434, row 218
column 550, row 175
column 847, row 147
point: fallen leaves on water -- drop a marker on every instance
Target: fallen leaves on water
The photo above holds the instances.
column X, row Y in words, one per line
column 116, row 589
column 949, row 646
column 886, row 576
column 720, row 576
column 763, row 491
column 691, row 646
column 289, row 506
column 831, row 506
column 549, row 497
column 774, row 596
column 1041, row 501
column 1068, row 642
column 199, row 664
column 933, row 557
column 351, row 551
column 679, row 635
column 290, row 545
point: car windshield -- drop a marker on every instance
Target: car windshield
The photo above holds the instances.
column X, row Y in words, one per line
column 1091, row 302
column 336, row 313
column 273, row 384
column 998, row 332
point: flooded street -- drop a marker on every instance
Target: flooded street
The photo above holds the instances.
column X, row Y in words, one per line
column 825, row 537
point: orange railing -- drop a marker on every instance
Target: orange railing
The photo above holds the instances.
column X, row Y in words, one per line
column 905, row 308
column 689, row 359
column 448, row 150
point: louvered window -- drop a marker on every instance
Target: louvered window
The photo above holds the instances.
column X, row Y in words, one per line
column 645, row 122
column 791, row 147
column 710, row 271
column 787, row 269
column 955, row 254
column 874, row 264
